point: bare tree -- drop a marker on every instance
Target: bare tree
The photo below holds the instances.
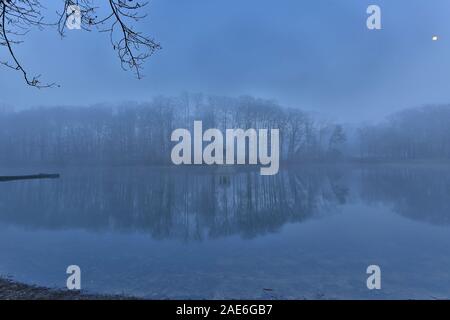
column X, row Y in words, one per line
column 18, row 17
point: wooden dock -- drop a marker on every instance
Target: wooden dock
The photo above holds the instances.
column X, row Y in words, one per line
column 29, row 177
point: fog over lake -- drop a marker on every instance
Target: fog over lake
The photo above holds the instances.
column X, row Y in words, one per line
column 245, row 150
column 309, row 232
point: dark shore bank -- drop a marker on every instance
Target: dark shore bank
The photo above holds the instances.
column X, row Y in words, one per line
column 11, row 290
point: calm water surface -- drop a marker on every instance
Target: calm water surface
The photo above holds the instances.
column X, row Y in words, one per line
column 308, row 232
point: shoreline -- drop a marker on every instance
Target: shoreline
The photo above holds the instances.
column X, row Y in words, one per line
column 13, row 290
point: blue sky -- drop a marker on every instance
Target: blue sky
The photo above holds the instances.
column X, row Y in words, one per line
column 315, row 55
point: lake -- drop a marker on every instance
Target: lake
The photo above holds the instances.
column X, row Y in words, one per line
column 309, row 232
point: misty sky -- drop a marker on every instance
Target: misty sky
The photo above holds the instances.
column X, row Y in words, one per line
column 315, row 55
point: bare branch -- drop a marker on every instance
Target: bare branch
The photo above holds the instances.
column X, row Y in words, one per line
column 17, row 17
column 132, row 47
column 21, row 15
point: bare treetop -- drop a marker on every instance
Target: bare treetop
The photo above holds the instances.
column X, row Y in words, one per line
column 18, row 17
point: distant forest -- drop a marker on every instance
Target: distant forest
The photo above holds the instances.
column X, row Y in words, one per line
column 139, row 133
column 412, row 134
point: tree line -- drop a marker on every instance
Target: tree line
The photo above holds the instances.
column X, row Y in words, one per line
column 412, row 134
column 139, row 133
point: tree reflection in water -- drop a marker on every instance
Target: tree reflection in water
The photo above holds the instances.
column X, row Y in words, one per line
column 171, row 203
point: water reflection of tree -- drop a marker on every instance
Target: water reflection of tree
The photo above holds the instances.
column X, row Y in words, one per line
column 419, row 193
column 173, row 204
